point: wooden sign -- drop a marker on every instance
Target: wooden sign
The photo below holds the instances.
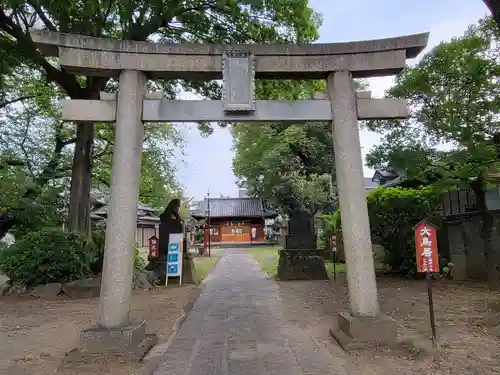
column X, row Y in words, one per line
column 426, row 247
column 332, row 242
column 427, row 262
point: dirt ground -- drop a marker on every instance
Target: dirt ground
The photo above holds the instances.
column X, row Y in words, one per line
column 35, row 334
column 469, row 346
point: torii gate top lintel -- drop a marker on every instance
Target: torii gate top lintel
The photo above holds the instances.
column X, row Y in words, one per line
column 107, row 57
column 412, row 44
column 238, row 66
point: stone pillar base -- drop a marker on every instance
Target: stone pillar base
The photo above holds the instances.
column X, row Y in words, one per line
column 358, row 333
column 128, row 343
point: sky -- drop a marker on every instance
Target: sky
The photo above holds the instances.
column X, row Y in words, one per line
column 206, row 163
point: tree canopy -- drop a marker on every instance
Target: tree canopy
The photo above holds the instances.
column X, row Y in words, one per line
column 287, row 164
column 36, row 150
column 454, row 97
column 291, row 165
column 169, row 21
column 494, row 7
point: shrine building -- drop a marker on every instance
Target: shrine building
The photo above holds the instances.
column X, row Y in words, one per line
column 234, row 220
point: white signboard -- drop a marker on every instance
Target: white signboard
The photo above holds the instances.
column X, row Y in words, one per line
column 174, row 257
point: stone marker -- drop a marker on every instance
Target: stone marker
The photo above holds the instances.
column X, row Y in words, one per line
column 339, row 63
column 300, row 259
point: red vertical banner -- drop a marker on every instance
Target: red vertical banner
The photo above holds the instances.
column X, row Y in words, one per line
column 332, row 242
column 426, row 247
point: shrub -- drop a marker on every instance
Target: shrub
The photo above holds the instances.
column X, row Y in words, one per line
column 98, row 242
column 139, row 262
column 46, row 256
column 393, row 212
column 199, row 236
column 330, row 222
column 98, row 239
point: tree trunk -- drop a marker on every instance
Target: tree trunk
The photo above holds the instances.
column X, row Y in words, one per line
column 81, row 174
column 494, row 7
column 81, row 179
column 487, row 229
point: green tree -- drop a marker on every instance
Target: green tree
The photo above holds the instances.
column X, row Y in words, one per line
column 285, row 163
column 454, row 95
column 170, row 21
column 35, row 156
column 33, row 146
column 290, row 165
column 158, row 173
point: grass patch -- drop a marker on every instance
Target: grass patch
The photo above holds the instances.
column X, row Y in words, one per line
column 339, row 267
column 267, row 257
column 203, row 266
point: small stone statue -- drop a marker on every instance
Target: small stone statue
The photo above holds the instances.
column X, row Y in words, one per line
column 170, row 222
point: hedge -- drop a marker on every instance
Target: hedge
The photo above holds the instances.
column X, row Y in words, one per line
column 393, row 212
column 46, row 256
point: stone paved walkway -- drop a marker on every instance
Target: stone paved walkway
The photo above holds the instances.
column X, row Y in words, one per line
column 237, row 327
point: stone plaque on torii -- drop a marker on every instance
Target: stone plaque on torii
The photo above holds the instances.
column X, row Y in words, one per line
column 239, row 65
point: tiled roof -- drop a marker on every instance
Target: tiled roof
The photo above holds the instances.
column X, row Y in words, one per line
column 394, row 182
column 389, row 175
column 145, row 207
column 233, row 207
column 142, row 210
column 370, row 184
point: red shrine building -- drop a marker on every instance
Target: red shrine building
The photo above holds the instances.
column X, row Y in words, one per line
column 234, row 220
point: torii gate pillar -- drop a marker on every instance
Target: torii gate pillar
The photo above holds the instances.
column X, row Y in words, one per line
column 121, row 226
column 364, row 322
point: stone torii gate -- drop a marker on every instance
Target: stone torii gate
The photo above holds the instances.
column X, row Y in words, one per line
column 238, row 66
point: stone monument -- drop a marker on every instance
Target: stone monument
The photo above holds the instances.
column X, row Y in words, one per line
column 238, row 66
column 300, row 259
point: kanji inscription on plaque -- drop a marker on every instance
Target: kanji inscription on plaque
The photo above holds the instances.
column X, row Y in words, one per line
column 238, row 80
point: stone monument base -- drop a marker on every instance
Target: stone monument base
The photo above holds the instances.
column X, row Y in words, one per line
column 358, row 333
column 128, row 343
column 157, row 267
column 301, row 265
